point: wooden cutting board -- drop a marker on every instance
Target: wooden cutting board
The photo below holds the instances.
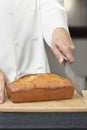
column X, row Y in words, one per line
column 76, row 104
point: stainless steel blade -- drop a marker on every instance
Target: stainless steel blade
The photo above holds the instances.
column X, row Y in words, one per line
column 71, row 75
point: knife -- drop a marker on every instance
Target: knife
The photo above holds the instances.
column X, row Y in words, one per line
column 73, row 78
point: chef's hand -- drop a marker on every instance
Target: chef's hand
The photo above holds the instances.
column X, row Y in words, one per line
column 3, row 82
column 62, row 45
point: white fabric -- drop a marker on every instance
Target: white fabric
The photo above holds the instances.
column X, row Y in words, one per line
column 23, row 26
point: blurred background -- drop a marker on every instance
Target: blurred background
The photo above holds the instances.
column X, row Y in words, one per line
column 77, row 21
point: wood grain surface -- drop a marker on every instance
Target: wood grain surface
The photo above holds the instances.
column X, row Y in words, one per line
column 76, row 104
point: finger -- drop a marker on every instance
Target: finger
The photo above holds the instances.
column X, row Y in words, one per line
column 2, row 94
column 58, row 54
column 68, row 42
column 1, row 97
column 66, row 50
column 69, row 57
column 72, row 46
column 2, row 88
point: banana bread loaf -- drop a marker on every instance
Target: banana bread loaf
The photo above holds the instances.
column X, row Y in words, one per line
column 40, row 87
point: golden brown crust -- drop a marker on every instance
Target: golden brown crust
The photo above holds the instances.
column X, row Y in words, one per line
column 38, row 87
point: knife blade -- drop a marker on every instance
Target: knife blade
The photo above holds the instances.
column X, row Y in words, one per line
column 73, row 78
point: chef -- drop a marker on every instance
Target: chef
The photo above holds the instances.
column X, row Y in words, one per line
column 24, row 25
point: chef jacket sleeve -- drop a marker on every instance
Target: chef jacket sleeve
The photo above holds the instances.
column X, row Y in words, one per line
column 53, row 15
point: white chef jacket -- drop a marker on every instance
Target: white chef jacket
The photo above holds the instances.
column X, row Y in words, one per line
column 24, row 25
